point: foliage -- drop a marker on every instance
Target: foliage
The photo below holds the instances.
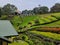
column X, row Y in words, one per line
column 44, row 9
column 23, row 37
column 27, row 12
column 40, row 10
column 4, row 17
column 16, row 21
column 55, row 8
column 9, row 9
column 0, row 11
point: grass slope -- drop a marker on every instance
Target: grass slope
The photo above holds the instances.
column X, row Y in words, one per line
column 19, row 43
column 48, row 34
column 44, row 18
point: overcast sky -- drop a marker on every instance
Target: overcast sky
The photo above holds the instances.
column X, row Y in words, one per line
column 29, row 4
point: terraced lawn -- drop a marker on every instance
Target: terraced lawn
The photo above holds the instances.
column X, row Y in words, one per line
column 55, row 24
column 19, row 43
column 17, row 22
column 26, row 19
column 48, row 34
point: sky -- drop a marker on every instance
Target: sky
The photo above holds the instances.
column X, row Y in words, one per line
column 29, row 4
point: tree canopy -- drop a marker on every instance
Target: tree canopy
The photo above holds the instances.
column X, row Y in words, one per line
column 9, row 9
column 55, row 8
column 0, row 11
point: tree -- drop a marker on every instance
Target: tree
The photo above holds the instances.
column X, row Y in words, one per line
column 30, row 12
column 25, row 12
column 36, row 10
column 0, row 12
column 9, row 9
column 37, row 22
column 43, row 10
column 55, row 8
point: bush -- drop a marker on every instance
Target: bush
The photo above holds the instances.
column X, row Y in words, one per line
column 23, row 37
column 4, row 17
column 30, row 42
column 37, row 21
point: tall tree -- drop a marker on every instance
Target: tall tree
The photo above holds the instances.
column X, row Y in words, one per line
column 55, row 8
column 40, row 10
column 36, row 10
column 25, row 12
column 43, row 10
column 9, row 9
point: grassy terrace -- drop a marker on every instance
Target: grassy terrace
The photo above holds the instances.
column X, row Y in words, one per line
column 55, row 24
column 19, row 43
column 23, row 21
column 26, row 19
column 18, row 21
column 48, row 34
column 41, row 19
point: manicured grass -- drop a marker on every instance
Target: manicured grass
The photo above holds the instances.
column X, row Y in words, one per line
column 19, row 43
